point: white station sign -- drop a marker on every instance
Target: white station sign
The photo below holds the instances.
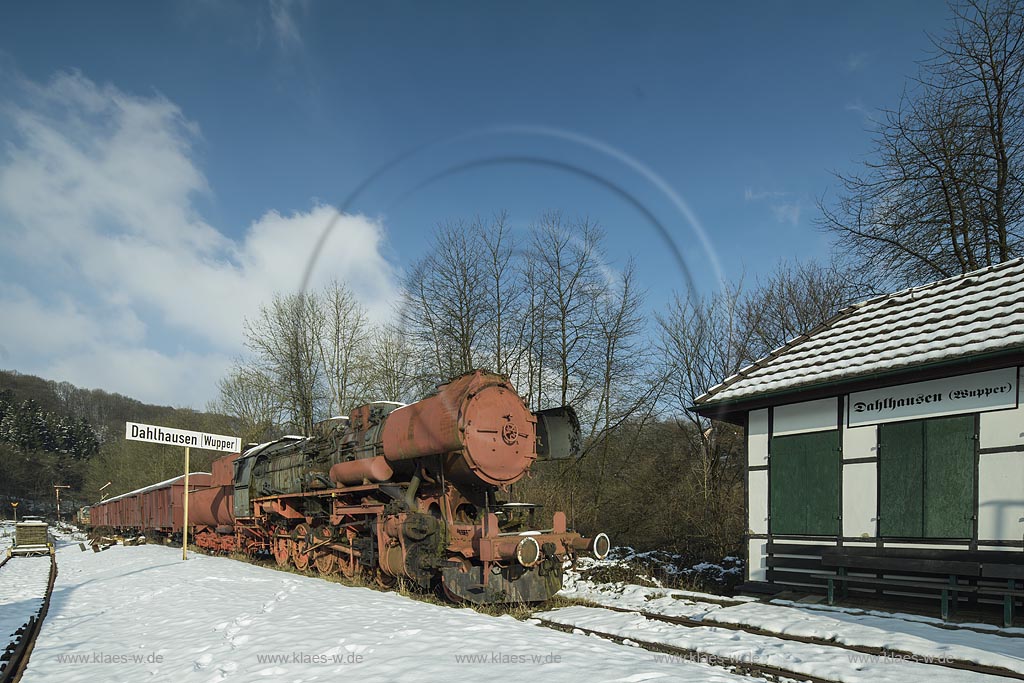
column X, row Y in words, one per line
column 181, row 437
column 978, row 392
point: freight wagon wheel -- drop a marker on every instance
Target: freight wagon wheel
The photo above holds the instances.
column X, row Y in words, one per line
column 300, row 547
column 282, row 547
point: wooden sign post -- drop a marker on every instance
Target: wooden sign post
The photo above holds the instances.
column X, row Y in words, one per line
column 188, row 439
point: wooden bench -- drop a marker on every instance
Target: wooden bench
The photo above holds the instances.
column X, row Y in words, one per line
column 1011, row 573
column 952, row 570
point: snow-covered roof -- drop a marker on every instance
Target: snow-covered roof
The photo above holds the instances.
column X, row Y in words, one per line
column 968, row 315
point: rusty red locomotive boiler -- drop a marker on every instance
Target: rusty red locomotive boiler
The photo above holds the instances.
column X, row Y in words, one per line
column 406, row 491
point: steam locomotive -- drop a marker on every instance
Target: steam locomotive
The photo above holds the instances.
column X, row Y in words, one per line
column 391, row 491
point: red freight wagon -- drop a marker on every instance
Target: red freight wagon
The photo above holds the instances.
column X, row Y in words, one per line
column 159, row 507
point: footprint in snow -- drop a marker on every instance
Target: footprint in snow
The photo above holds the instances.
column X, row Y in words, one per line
column 202, row 662
column 223, row 672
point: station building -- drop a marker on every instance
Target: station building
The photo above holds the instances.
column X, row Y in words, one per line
column 895, row 427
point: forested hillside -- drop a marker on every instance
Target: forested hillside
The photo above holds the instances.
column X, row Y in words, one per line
column 56, row 433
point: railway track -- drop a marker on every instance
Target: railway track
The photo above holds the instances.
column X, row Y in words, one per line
column 16, row 655
column 861, row 649
column 771, row 673
column 763, row 670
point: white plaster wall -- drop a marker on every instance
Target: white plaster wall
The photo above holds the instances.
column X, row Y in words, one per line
column 757, row 565
column 1001, row 497
column 757, row 437
column 757, row 501
column 1003, row 427
column 860, row 499
column 860, row 442
column 809, row 416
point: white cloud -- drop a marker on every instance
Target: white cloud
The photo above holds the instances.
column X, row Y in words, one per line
column 855, row 61
column 867, row 116
column 787, row 213
column 283, row 25
column 751, row 195
column 97, row 192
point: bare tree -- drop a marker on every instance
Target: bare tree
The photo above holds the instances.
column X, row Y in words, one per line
column 506, row 324
column 393, row 367
column 566, row 278
column 343, row 346
column 249, row 396
column 445, row 300
column 792, row 300
column 625, row 387
column 703, row 341
column 285, row 341
column 942, row 191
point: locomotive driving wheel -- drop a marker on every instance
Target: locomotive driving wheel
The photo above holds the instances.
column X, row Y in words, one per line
column 301, row 554
column 348, row 562
column 282, row 547
column 324, row 559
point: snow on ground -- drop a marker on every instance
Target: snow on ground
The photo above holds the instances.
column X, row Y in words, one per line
column 812, row 660
column 23, row 582
column 921, row 618
column 923, row 636
column 6, row 537
column 852, row 629
column 141, row 613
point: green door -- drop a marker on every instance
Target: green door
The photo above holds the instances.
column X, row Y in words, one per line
column 926, row 478
column 805, row 476
column 901, row 473
column 949, row 477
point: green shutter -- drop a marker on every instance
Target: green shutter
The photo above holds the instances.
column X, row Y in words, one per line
column 949, row 477
column 926, row 478
column 805, row 477
column 901, row 476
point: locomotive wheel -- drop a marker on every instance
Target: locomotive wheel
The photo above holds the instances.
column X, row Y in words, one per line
column 349, row 566
column 326, row 561
column 282, row 546
column 384, row 580
column 300, row 547
column 250, row 546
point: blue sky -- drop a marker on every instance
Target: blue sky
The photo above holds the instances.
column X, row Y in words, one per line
column 165, row 167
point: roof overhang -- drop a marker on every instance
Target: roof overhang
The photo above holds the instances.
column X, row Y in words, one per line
column 735, row 410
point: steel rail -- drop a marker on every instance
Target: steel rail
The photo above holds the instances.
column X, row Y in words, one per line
column 18, row 661
column 695, row 656
column 961, row 665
